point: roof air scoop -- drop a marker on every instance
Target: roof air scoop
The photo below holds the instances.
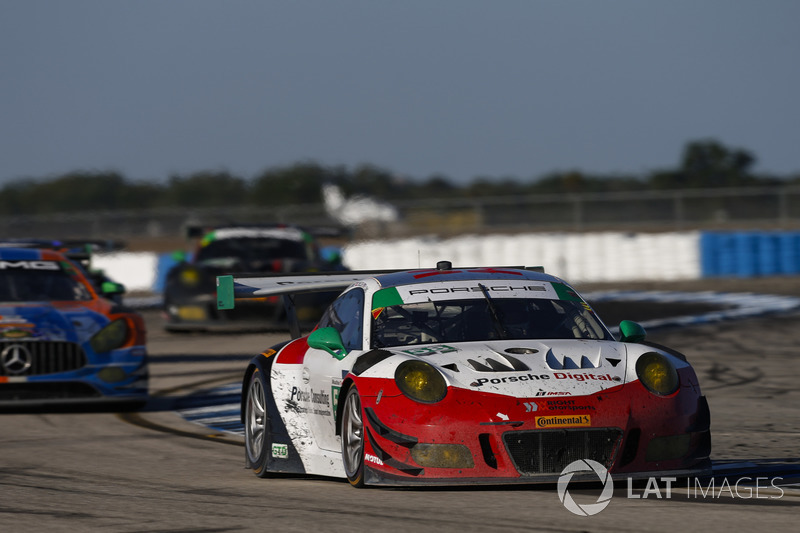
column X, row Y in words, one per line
column 444, row 265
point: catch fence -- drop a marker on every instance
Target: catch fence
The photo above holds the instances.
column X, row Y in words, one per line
column 650, row 211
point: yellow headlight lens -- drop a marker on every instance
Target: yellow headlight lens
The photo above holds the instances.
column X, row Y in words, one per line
column 657, row 374
column 190, row 277
column 420, row 381
column 110, row 337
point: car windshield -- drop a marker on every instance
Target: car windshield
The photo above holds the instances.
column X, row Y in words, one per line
column 485, row 319
column 23, row 285
column 250, row 254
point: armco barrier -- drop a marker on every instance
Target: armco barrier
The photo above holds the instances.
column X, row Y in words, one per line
column 587, row 257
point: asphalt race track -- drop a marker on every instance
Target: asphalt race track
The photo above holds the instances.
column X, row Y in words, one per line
column 78, row 470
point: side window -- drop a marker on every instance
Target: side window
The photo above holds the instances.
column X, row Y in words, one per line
column 346, row 314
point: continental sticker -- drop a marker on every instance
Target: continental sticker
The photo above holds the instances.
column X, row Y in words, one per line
column 561, row 421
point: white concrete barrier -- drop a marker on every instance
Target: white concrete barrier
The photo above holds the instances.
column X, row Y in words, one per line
column 135, row 270
column 588, row 257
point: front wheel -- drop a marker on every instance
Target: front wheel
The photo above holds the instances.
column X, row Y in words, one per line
column 256, row 425
column 353, row 438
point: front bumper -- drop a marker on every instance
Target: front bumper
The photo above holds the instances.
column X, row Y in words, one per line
column 494, row 439
column 119, row 377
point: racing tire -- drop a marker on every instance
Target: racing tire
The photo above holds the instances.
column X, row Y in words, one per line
column 353, row 438
column 257, row 440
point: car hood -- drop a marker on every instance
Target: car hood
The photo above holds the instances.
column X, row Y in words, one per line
column 49, row 322
column 529, row 368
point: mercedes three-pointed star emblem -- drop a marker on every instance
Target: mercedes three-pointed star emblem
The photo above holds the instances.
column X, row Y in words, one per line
column 16, row 359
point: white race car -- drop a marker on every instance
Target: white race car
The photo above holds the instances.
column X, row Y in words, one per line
column 464, row 375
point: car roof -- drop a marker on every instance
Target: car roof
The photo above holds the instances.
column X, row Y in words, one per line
column 29, row 254
column 238, row 232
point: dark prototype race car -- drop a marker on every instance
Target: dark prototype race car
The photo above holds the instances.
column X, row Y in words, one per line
column 465, row 375
column 189, row 293
column 62, row 338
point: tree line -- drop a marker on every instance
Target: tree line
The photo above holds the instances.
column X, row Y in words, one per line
column 704, row 164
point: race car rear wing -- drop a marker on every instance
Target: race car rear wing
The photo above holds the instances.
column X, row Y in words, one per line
column 230, row 288
column 239, row 287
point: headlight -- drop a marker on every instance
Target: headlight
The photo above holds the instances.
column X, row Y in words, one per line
column 110, row 337
column 420, row 381
column 190, row 277
column 657, row 374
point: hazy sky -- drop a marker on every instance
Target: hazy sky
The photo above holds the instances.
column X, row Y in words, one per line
column 461, row 88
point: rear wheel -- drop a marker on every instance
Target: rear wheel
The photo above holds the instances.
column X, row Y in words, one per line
column 256, row 425
column 353, row 438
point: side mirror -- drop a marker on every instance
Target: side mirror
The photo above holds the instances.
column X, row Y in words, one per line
column 109, row 288
column 631, row 331
column 328, row 339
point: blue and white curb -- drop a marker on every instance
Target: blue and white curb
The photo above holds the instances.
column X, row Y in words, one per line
column 217, row 408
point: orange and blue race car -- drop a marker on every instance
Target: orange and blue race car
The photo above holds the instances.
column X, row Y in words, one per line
column 63, row 339
column 464, row 375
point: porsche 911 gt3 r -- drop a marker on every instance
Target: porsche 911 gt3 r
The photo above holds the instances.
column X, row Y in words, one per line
column 62, row 339
column 464, row 375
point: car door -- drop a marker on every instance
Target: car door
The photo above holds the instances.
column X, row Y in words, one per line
column 325, row 372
